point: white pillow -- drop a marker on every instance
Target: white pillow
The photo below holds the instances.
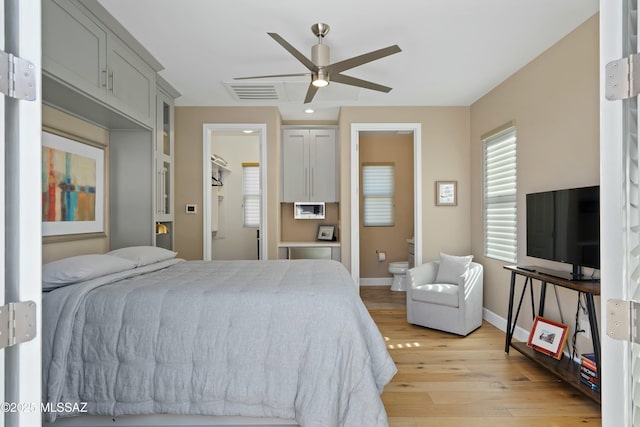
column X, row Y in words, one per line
column 452, row 267
column 82, row 267
column 144, row 255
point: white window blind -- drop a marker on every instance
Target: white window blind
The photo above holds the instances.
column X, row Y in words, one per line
column 500, row 239
column 251, row 194
column 377, row 191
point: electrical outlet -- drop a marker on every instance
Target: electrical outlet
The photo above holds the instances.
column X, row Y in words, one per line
column 583, row 324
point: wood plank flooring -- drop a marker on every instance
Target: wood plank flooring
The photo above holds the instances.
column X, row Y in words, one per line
column 445, row 380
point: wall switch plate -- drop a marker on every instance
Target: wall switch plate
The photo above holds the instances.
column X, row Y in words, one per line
column 191, row 209
column 583, row 324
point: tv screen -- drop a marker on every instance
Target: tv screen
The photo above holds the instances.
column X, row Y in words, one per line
column 564, row 226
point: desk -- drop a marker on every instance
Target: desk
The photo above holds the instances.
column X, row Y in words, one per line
column 566, row 369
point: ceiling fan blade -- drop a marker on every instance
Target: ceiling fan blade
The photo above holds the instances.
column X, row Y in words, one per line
column 362, row 59
column 272, row 75
column 348, row 80
column 311, row 92
column 295, row 52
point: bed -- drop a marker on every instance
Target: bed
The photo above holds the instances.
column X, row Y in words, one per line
column 279, row 340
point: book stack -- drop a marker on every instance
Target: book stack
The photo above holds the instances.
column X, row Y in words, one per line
column 589, row 371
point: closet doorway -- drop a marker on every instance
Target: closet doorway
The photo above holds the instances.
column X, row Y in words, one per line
column 234, row 197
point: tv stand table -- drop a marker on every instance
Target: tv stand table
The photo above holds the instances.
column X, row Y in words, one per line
column 565, row 368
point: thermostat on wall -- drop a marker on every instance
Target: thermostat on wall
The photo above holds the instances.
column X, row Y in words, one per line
column 191, row 209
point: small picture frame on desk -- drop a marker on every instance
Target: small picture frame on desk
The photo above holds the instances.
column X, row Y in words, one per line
column 327, row 232
column 548, row 337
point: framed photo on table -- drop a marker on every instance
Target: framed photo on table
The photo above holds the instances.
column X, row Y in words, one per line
column 446, row 193
column 327, row 232
column 548, row 337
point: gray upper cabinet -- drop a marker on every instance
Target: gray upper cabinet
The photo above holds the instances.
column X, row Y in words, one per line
column 74, row 48
column 131, row 84
column 88, row 55
column 309, row 171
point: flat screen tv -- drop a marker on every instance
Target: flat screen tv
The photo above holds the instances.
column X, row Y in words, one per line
column 564, row 226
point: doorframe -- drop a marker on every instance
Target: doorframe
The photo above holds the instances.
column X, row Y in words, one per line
column 617, row 395
column 207, row 130
column 356, row 128
column 22, row 127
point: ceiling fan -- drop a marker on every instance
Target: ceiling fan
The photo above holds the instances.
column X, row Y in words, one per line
column 322, row 71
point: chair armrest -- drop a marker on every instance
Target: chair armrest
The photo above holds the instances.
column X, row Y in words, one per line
column 471, row 283
column 422, row 274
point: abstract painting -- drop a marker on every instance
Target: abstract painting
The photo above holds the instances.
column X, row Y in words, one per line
column 72, row 186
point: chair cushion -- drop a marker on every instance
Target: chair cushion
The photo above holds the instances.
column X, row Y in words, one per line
column 437, row 293
column 452, row 267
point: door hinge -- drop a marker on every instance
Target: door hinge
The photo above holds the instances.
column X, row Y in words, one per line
column 17, row 323
column 622, row 78
column 17, row 77
column 623, row 320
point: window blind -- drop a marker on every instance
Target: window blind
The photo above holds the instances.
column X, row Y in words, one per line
column 500, row 239
column 251, row 194
column 377, row 191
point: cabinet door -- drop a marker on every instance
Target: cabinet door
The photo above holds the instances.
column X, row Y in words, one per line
column 74, row 47
column 164, row 158
column 322, row 166
column 295, row 165
column 131, row 84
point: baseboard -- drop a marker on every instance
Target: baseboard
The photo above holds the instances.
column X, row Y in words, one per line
column 376, row 281
column 499, row 322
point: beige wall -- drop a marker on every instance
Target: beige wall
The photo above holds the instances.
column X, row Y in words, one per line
column 445, row 156
column 554, row 101
column 397, row 150
column 189, row 165
column 54, row 248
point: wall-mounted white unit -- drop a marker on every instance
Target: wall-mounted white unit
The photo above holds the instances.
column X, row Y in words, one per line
column 308, row 210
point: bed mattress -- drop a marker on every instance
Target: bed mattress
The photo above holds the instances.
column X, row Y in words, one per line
column 283, row 339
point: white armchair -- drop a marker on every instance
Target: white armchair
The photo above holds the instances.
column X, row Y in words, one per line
column 449, row 307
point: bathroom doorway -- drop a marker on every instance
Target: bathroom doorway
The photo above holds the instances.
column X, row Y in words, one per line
column 414, row 130
column 386, row 202
column 234, row 211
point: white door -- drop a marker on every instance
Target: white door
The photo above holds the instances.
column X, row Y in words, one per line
column 620, row 220
column 20, row 216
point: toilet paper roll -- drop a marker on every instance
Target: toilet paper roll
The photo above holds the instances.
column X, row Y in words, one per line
column 382, row 256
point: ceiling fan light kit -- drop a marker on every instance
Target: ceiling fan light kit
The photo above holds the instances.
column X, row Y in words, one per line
column 322, row 71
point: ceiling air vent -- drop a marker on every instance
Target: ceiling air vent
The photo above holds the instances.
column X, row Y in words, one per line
column 256, row 91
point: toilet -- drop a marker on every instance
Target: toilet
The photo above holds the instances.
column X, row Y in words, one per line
column 399, row 271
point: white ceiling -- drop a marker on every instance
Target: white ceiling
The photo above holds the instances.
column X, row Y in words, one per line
column 453, row 51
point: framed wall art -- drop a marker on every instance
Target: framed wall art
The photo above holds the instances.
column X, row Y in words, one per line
column 72, row 186
column 446, row 193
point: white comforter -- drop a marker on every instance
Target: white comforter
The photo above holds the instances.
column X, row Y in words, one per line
column 284, row 339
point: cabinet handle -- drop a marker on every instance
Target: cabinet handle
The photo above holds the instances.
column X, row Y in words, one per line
column 159, row 192
column 306, row 181
column 111, row 77
column 311, row 186
column 103, row 79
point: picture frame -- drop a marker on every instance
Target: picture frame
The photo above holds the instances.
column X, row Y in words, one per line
column 446, row 193
column 73, row 187
column 327, row 232
column 548, row 337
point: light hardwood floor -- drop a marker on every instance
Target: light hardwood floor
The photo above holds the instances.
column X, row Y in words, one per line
column 445, row 380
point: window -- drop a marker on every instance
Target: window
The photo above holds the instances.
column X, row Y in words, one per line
column 500, row 194
column 377, row 191
column 251, row 194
